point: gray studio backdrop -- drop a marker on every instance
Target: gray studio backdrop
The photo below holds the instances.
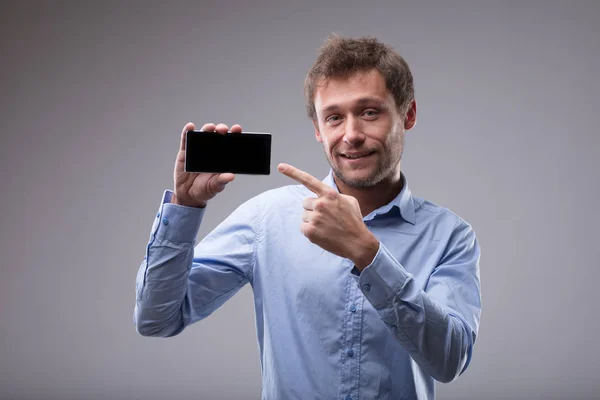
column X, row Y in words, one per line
column 94, row 96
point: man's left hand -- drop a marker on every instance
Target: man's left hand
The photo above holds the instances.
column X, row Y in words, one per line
column 333, row 220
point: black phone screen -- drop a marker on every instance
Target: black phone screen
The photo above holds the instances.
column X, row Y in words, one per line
column 239, row 153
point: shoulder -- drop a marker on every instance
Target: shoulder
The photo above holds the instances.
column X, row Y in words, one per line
column 282, row 194
column 458, row 236
column 278, row 199
column 427, row 211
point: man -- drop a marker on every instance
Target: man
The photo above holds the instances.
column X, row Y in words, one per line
column 361, row 291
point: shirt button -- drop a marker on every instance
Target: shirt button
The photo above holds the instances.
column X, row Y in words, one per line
column 157, row 215
column 165, row 221
column 352, row 308
column 394, row 328
column 350, row 352
column 367, row 287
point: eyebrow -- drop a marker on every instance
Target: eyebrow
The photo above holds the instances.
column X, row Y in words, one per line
column 361, row 101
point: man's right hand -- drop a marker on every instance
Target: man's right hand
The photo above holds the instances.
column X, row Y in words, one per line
column 195, row 189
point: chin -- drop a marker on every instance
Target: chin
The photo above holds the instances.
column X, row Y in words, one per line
column 358, row 179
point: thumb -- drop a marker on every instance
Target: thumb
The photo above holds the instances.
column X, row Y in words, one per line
column 188, row 127
column 219, row 182
column 225, row 178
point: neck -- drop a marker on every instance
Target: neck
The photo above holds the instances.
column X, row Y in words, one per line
column 372, row 198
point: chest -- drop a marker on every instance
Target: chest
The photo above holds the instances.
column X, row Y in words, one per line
column 303, row 270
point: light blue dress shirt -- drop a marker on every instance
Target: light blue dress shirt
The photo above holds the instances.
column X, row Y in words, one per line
column 324, row 329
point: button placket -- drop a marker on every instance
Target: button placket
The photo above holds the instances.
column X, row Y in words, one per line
column 350, row 348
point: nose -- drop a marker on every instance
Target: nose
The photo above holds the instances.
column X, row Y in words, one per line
column 353, row 133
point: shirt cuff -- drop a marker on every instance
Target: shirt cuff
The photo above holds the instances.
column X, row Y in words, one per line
column 175, row 222
column 384, row 278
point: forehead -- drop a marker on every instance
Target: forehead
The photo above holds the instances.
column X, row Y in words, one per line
column 347, row 90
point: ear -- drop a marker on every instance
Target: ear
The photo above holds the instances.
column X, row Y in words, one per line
column 317, row 133
column 410, row 118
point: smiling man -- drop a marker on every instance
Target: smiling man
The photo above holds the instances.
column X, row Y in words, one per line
column 361, row 290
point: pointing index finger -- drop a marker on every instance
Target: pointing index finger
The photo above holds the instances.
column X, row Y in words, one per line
column 306, row 179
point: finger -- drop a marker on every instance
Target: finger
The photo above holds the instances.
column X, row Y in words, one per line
column 307, row 230
column 303, row 227
column 188, row 127
column 222, row 128
column 306, row 216
column 309, row 203
column 218, row 182
column 312, row 183
column 210, row 127
column 225, row 178
column 236, row 128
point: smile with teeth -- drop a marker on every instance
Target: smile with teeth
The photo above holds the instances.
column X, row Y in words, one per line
column 354, row 156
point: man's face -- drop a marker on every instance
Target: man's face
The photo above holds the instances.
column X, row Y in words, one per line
column 361, row 129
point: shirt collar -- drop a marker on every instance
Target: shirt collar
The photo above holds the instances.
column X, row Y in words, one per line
column 403, row 202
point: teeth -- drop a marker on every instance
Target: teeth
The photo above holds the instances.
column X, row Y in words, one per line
column 349, row 156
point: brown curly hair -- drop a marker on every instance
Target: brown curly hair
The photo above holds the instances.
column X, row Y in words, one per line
column 343, row 56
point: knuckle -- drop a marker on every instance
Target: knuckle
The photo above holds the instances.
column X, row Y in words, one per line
column 319, row 205
column 323, row 204
column 331, row 194
column 309, row 231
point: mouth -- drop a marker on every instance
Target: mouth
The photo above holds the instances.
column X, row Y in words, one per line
column 356, row 155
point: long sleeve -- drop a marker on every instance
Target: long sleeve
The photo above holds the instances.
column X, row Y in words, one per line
column 178, row 284
column 437, row 326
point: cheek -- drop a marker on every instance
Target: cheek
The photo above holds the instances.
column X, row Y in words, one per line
column 395, row 142
column 328, row 142
column 326, row 145
column 319, row 137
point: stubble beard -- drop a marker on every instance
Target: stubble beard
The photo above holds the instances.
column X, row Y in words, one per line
column 386, row 166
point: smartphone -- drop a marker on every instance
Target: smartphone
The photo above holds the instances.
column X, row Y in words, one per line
column 240, row 153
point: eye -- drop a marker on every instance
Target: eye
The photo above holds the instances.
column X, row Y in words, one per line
column 371, row 113
column 332, row 119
